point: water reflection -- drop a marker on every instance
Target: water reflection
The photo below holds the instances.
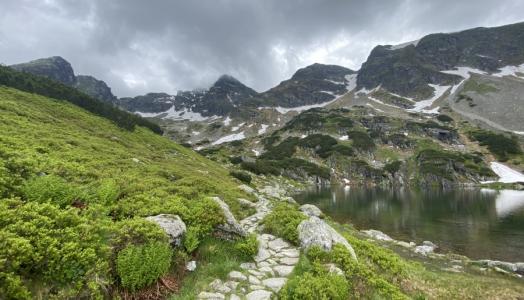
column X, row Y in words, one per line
column 479, row 223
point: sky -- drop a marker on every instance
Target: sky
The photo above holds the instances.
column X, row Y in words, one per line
column 139, row 46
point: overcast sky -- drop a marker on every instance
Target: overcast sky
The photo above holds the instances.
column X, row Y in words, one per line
column 140, row 46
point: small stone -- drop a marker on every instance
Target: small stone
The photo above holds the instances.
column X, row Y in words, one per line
column 275, row 283
column 291, row 253
column 172, row 225
column 333, row 269
column 266, row 270
column 255, row 287
column 191, row 266
column 255, row 272
column 278, row 244
column 262, row 255
column 234, row 297
column 136, row 160
column 259, row 295
column 253, row 280
column 263, row 264
column 218, row 286
column 245, row 203
column 211, row 296
column 290, row 261
column 231, row 284
column 248, row 266
column 283, row 270
column 235, row 275
column 377, row 235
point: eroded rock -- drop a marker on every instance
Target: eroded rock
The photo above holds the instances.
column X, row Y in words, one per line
column 231, row 226
column 311, row 210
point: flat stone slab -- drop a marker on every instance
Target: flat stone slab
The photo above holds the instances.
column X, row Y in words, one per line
column 259, row 295
column 278, row 244
column 235, row 275
column 275, row 283
column 283, row 271
column 290, row 261
column 211, row 296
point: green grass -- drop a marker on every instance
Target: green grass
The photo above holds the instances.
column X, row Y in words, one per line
column 481, row 88
column 104, row 174
column 216, row 258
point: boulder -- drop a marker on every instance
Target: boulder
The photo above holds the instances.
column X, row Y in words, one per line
column 377, row 235
column 173, row 226
column 247, row 189
column 231, row 226
column 245, row 203
column 310, row 210
column 426, row 248
column 191, row 266
column 316, row 232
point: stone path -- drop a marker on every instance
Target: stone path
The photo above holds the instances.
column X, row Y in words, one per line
column 268, row 273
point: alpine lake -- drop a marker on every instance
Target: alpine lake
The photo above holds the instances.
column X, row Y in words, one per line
column 478, row 223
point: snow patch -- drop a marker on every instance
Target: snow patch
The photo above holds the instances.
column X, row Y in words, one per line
column 519, row 132
column 421, row 106
column 227, row 121
column 230, row 138
column 510, row 71
column 377, row 109
column 263, row 128
column 173, row 114
column 257, row 153
column 403, row 45
column 343, row 138
column 505, row 173
column 235, row 128
column 196, row 132
column 351, row 82
column 464, row 72
column 285, row 110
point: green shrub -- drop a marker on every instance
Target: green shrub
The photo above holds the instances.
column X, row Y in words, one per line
column 285, row 149
column 52, row 189
column 361, row 140
column 500, row 145
column 322, row 144
column 235, row 159
column 137, row 231
column 108, row 192
column 318, row 285
column 140, row 266
column 283, row 222
column 192, row 239
column 444, row 118
column 393, row 167
column 260, row 167
column 248, row 247
column 242, row 176
column 343, row 150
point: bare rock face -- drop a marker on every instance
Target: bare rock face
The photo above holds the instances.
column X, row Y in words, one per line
column 231, row 226
column 316, row 232
column 311, row 210
column 173, row 226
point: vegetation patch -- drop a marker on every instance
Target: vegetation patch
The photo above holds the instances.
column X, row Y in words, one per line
column 361, row 140
column 242, row 176
column 283, row 221
column 500, row 145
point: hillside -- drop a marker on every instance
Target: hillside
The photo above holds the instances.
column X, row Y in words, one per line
column 74, row 187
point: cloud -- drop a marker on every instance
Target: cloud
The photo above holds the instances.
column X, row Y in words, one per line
column 142, row 46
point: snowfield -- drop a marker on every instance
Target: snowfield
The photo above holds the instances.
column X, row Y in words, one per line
column 505, row 173
column 230, row 138
column 173, row 114
column 421, row 106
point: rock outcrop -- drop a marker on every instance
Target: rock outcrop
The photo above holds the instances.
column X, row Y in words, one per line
column 310, row 210
column 231, row 227
column 173, row 226
column 316, row 232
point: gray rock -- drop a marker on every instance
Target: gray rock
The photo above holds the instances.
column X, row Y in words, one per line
column 253, row 280
column 172, row 225
column 507, row 266
column 426, row 248
column 290, row 261
column 275, row 283
column 191, row 266
column 262, row 255
column 246, row 189
column 235, row 275
column 218, row 286
column 245, row 203
column 231, row 226
column 333, row 269
column 310, row 210
column 234, row 297
column 211, row 296
column 316, row 232
column 283, row 271
column 278, row 244
column 259, row 295
column 377, row 235
column 248, row 266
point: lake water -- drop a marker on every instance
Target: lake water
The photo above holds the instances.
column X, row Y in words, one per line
column 478, row 223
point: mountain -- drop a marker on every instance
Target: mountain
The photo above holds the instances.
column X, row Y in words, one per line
column 313, row 84
column 59, row 69
column 408, row 69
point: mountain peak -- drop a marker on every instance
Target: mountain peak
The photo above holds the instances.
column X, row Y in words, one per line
column 54, row 67
column 321, row 71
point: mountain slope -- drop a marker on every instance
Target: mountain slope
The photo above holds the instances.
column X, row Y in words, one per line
column 408, row 69
column 74, row 188
column 59, row 69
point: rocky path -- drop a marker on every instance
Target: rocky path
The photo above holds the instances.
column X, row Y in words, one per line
column 264, row 277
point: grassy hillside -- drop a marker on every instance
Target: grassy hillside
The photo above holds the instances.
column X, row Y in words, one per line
column 73, row 187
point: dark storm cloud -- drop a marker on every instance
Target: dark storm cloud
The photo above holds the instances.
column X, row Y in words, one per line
column 139, row 46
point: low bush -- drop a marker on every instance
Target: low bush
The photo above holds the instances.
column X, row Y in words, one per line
column 140, row 265
column 318, row 284
column 242, row 176
column 248, row 247
column 361, row 140
column 260, row 167
column 51, row 189
column 444, row 118
column 393, row 167
column 235, row 159
column 191, row 239
column 283, row 222
column 500, row 145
